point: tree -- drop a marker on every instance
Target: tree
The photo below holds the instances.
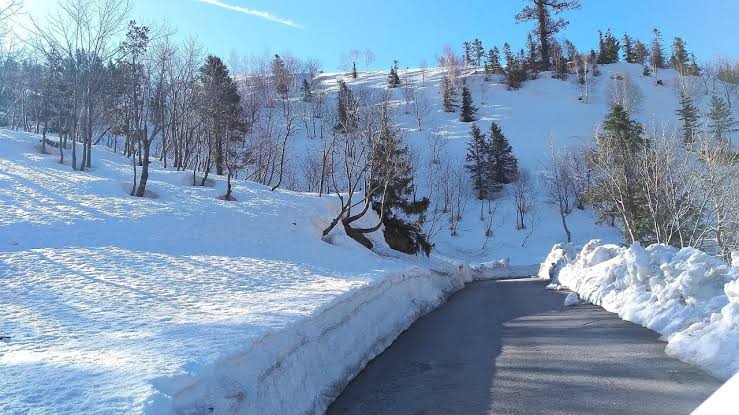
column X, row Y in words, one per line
column 354, row 70
column 468, row 108
column 680, row 59
column 448, row 93
column 657, row 55
column 543, row 12
column 477, row 51
column 477, row 162
column 503, row 165
column 346, row 109
column 615, row 161
column 307, row 91
column 722, row 125
column 688, row 114
column 523, row 196
column 641, row 54
column 629, row 52
column 608, row 48
column 515, row 72
column 532, row 54
column 393, row 79
column 492, row 63
column 559, row 187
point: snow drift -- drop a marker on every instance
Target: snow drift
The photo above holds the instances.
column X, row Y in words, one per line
column 688, row 296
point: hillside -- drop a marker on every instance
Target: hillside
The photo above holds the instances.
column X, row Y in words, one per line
column 167, row 303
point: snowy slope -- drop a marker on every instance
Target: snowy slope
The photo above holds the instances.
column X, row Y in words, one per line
column 113, row 304
column 543, row 112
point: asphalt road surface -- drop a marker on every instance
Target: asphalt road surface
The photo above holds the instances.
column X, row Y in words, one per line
column 510, row 347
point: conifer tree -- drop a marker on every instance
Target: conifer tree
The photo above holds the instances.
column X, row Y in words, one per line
column 346, row 109
column 393, row 199
column 680, row 58
column 721, row 123
column 641, row 54
column 307, row 91
column 478, row 51
column 393, row 79
column 609, row 48
column 657, row 54
column 532, row 54
column 477, row 162
column 503, row 164
column 572, row 54
column 280, row 76
column 492, row 63
column 467, row 53
column 448, row 93
column 354, row 70
column 688, row 114
column 629, row 55
column 468, row 108
column 515, row 73
column 543, row 12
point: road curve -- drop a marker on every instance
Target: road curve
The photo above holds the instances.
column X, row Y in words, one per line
column 510, row 347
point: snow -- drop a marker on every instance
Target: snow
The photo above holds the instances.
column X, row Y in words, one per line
column 570, row 300
column 723, row 401
column 183, row 302
column 688, row 296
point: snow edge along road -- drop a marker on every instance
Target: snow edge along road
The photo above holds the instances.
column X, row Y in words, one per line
column 302, row 368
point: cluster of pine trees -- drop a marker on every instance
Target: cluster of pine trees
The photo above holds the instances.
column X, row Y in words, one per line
column 490, row 161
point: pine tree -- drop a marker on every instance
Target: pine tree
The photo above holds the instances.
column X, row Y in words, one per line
column 689, row 115
column 503, row 164
column 346, row 109
column 393, row 198
column 354, row 70
column 543, row 12
column 629, row 55
column 572, row 54
column 657, row 54
column 721, row 123
column 467, row 53
column 680, row 57
column 532, row 53
column 608, row 48
column 641, row 54
column 695, row 69
column 280, row 76
column 448, row 93
column 307, row 91
column 468, row 108
column 492, row 63
column 393, row 80
column 477, row 162
column 478, row 51
column 559, row 61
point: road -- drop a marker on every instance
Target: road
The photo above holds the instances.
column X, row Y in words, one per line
column 510, row 347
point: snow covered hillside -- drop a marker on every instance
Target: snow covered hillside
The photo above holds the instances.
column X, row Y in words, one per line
column 545, row 112
column 689, row 297
column 181, row 301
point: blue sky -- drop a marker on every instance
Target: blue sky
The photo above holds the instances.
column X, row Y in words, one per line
column 412, row 30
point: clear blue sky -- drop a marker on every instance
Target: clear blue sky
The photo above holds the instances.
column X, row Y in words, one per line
column 412, row 30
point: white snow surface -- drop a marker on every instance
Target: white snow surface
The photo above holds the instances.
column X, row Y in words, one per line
column 570, row 300
column 688, row 296
column 182, row 302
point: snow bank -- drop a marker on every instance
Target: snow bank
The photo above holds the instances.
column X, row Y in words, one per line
column 688, row 296
column 181, row 303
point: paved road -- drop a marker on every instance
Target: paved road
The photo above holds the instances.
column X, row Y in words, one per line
column 510, row 347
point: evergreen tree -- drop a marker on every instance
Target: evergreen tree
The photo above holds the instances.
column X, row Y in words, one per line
column 559, row 61
column 346, row 109
column 503, row 164
column 280, row 76
column 622, row 142
column 393, row 198
column 393, row 80
column 477, row 162
column 657, row 54
column 468, row 108
column 467, row 53
column 608, row 48
column 478, row 51
column 572, row 54
column 629, row 53
column 532, row 53
column 515, row 73
column 222, row 106
column 641, row 54
column 695, row 69
column 680, row 58
column 689, row 115
column 543, row 13
column 307, row 91
column 354, row 70
column 492, row 64
column 448, row 93
column 721, row 123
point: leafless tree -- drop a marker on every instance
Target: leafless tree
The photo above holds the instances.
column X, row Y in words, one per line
column 623, row 91
column 558, row 185
column 523, row 196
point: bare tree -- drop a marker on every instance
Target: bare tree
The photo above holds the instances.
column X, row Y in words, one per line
column 558, row 185
column 623, row 91
column 523, row 196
